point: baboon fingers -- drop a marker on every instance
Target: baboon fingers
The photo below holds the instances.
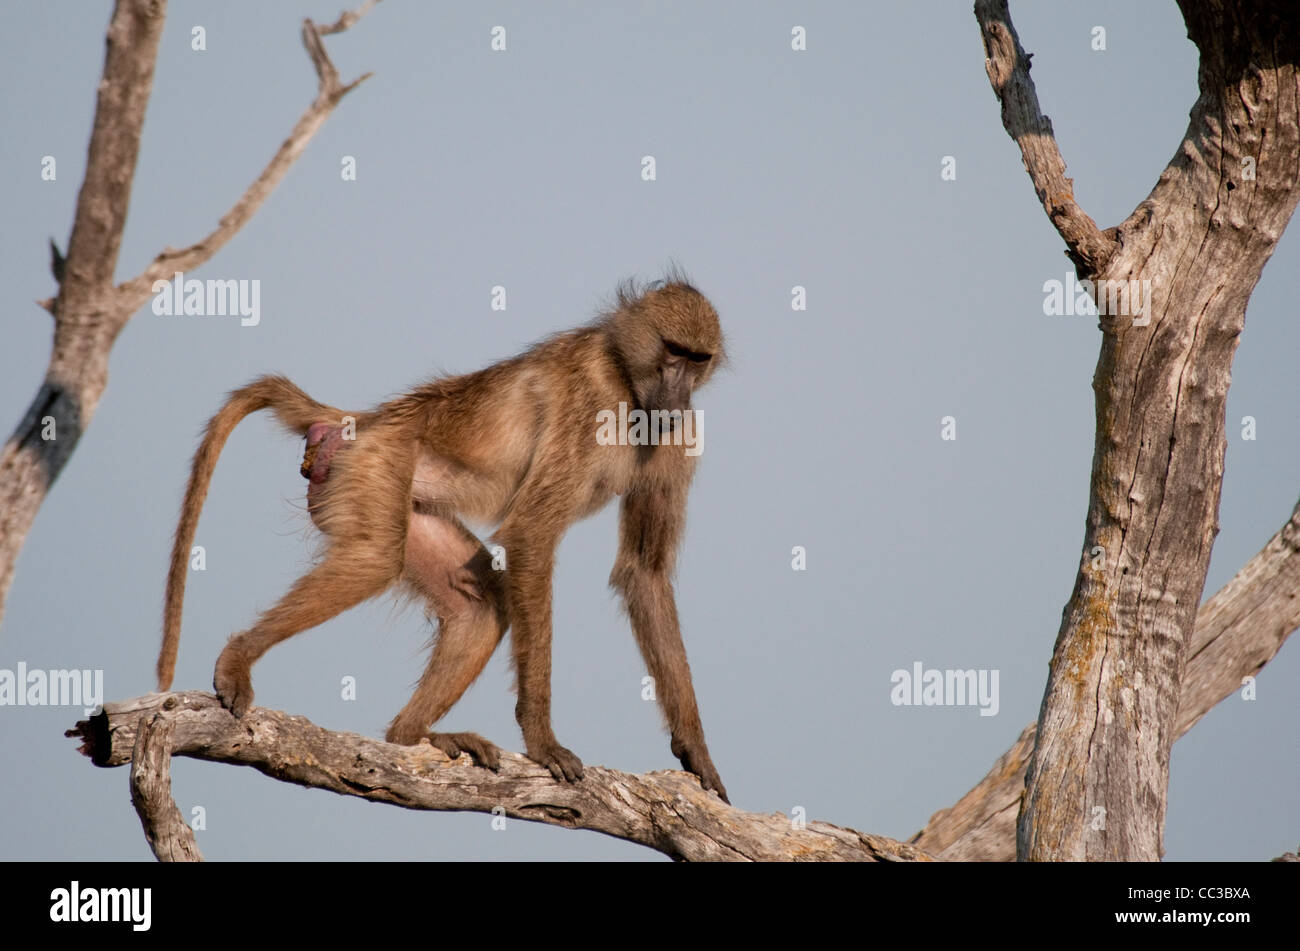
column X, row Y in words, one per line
column 710, row 781
column 696, row 760
column 563, row 764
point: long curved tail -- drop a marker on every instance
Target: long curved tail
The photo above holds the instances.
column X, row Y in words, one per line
column 296, row 411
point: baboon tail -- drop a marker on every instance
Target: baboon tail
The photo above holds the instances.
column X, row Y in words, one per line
column 296, row 411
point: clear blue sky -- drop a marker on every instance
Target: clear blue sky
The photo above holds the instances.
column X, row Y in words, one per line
column 775, row 168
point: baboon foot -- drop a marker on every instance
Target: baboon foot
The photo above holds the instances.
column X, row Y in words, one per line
column 233, row 683
column 480, row 750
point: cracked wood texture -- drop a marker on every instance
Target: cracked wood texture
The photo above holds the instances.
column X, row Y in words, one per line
column 1097, row 778
column 666, row 811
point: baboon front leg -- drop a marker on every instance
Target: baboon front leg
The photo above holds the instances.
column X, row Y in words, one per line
column 529, row 597
column 448, row 566
column 649, row 528
column 330, row 588
column 653, row 613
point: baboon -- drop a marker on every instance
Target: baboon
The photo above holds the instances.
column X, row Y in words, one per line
column 514, row 445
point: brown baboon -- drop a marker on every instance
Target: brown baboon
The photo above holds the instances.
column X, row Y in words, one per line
column 520, row 445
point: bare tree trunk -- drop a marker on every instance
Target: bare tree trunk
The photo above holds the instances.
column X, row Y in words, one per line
column 85, row 321
column 89, row 312
column 1098, row 777
column 1238, row 631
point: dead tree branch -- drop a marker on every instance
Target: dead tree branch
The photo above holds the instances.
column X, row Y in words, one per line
column 666, row 811
column 89, row 312
column 136, row 291
column 171, row 839
column 1008, row 68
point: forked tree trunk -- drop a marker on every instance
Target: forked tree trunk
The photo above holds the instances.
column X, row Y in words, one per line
column 1097, row 780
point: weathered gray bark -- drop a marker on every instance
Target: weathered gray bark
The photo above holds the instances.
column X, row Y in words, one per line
column 170, row 838
column 666, row 811
column 1098, row 776
column 1238, row 631
column 89, row 311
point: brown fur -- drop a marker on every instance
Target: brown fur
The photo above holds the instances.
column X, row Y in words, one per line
column 513, row 445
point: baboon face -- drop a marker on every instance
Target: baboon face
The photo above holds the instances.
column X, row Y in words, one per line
column 671, row 342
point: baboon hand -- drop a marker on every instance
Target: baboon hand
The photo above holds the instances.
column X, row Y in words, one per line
column 563, row 765
column 710, row 779
column 695, row 759
column 232, row 683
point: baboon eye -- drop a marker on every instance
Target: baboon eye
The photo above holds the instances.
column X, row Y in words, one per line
column 677, row 350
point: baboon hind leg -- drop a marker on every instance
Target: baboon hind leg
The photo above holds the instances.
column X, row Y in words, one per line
column 336, row 584
column 452, row 570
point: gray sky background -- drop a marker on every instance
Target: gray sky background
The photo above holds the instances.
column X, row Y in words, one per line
column 522, row 168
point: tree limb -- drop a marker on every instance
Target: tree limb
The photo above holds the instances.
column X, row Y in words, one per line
column 666, row 811
column 1007, row 65
column 136, row 291
column 170, row 837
